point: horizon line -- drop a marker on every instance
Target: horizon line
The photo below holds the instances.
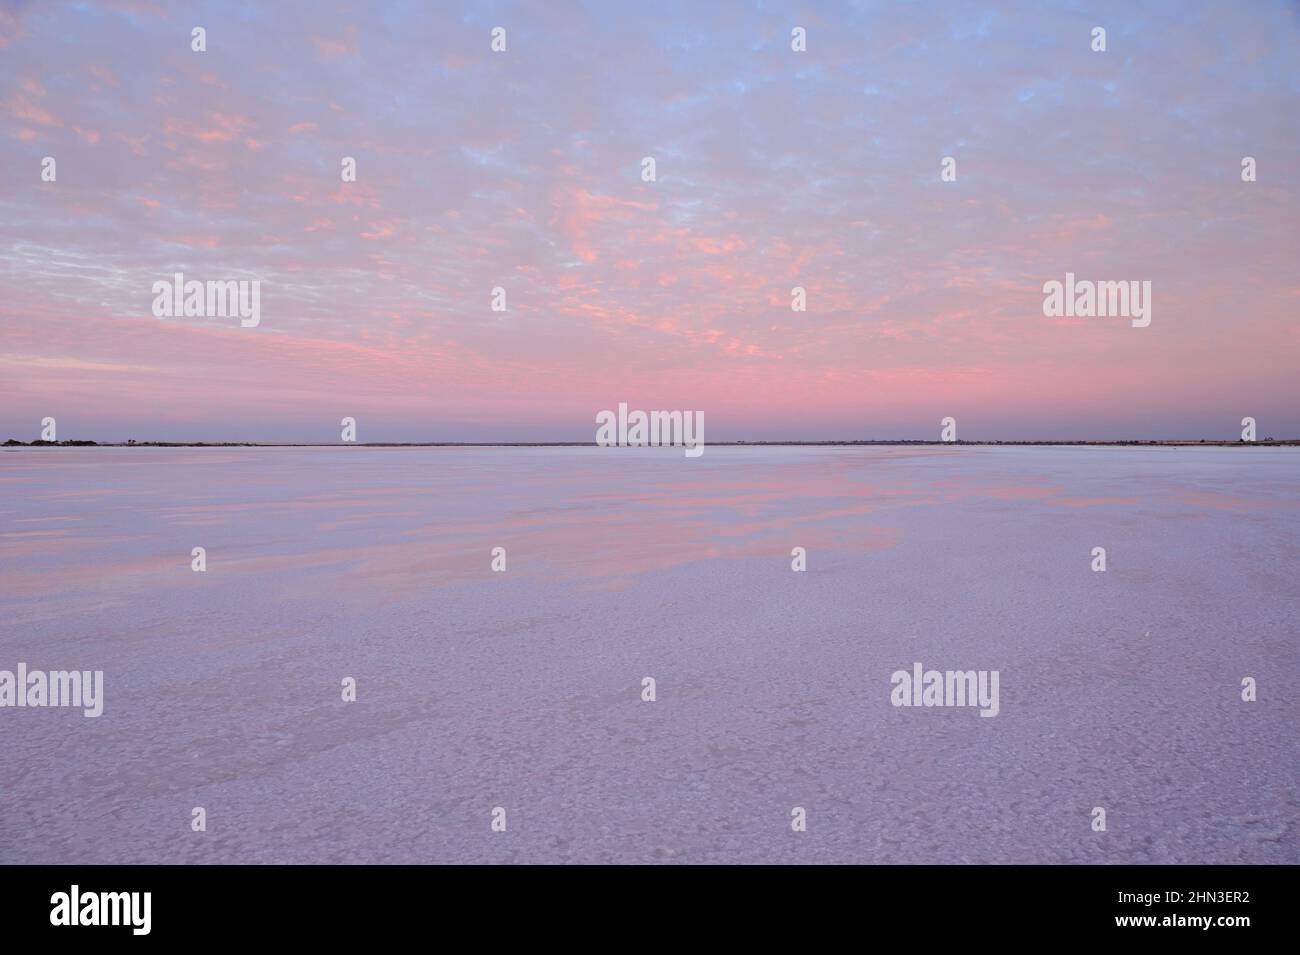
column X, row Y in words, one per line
column 833, row 442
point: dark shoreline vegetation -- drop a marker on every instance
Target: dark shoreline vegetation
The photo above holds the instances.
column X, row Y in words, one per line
column 1157, row 443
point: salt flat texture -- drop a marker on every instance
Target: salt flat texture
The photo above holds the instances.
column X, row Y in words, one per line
column 522, row 690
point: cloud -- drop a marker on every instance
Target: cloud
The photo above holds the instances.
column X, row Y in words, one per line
column 775, row 169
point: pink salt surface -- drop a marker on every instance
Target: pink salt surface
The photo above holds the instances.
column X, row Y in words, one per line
column 522, row 689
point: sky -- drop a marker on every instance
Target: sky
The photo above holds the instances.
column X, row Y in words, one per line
column 523, row 170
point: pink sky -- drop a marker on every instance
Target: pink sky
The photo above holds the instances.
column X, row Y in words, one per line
column 522, row 170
